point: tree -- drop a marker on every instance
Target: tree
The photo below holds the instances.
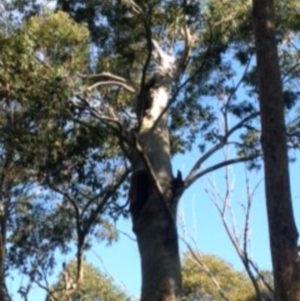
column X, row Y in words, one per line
column 57, row 199
column 126, row 109
column 211, row 278
column 206, row 277
column 154, row 191
column 94, row 286
column 35, row 192
column 282, row 227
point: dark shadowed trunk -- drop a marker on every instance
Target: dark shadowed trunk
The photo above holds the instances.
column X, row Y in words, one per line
column 154, row 191
column 157, row 241
column 282, row 228
column 4, row 296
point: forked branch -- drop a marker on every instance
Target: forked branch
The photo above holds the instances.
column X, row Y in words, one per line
column 194, row 174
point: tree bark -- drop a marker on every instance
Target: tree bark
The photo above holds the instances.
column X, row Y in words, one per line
column 282, row 229
column 4, row 296
column 158, row 247
column 154, row 192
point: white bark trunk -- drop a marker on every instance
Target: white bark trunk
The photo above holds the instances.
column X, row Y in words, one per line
column 153, row 193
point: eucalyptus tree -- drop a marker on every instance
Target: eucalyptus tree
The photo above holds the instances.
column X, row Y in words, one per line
column 46, row 161
column 204, row 277
column 157, row 94
column 154, row 190
column 95, row 285
column 209, row 277
column 143, row 93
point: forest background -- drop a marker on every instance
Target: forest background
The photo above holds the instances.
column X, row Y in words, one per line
column 49, row 157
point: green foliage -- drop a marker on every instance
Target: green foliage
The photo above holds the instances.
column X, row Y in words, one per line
column 49, row 157
column 37, row 64
column 39, row 59
column 224, row 45
column 93, row 286
column 197, row 284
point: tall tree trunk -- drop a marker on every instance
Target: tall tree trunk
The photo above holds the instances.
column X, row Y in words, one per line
column 154, row 192
column 4, row 296
column 282, row 229
column 157, row 241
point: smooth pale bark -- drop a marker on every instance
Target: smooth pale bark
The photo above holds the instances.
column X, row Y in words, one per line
column 154, row 192
column 282, row 229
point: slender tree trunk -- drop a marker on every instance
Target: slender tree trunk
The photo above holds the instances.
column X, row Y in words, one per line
column 282, row 228
column 4, row 296
column 154, row 193
column 2, row 258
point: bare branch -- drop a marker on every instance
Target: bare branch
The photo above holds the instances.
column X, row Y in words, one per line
column 70, row 284
column 204, row 268
column 48, row 291
column 192, row 176
column 106, row 83
column 196, row 257
column 100, row 116
column 105, row 199
column 24, row 291
column 224, row 110
column 196, row 176
column 246, row 233
column 71, row 201
column 109, row 79
column 240, row 247
column 147, row 26
column 127, row 235
column 176, row 93
column 79, row 230
column 261, row 277
column 188, row 45
column 133, row 6
column 107, row 75
column 288, row 72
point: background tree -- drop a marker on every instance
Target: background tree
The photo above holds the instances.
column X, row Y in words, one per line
column 204, row 277
column 94, row 285
column 282, row 227
column 70, row 187
column 208, row 277
column 38, row 195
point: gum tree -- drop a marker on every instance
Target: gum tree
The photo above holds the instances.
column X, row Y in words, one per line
column 145, row 93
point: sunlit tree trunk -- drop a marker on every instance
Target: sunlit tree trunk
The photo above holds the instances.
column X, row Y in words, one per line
column 282, row 228
column 154, row 192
